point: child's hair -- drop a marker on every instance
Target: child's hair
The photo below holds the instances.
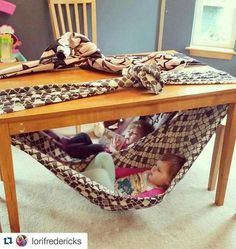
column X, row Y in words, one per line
column 144, row 127
column 176, row 161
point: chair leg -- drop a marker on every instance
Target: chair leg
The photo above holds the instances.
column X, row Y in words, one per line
column 215, row 161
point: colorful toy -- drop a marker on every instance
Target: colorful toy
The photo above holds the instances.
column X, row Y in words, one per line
column 9, row 45
column 6, row 48
column 7, row 29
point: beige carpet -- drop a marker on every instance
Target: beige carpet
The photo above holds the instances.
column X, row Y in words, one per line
column 187, row 217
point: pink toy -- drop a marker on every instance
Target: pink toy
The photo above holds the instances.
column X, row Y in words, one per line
column 7, row 7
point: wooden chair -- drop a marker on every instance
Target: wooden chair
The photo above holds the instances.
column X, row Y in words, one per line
column 74, row 16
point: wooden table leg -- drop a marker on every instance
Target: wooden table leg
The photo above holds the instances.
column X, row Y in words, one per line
column 227, row 154
column 215, row 161
column 0, row 174
column 8, row 177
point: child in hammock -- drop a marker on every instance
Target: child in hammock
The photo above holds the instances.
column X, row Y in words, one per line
column 135, row 131
column 145, row 182
column 81, row 146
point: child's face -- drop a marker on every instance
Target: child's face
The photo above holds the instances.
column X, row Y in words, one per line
column 160, row 174
column 132, row 135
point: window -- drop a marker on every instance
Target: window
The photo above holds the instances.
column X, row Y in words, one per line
column 214, row 26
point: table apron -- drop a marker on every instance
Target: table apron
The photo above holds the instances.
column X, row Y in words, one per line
column 77, row 117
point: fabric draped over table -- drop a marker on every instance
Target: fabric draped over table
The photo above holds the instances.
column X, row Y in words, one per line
column 182, row 132
column 75, row 50
column 152, row 72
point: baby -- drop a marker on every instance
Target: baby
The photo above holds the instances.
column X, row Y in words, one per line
column 133, row 133
column 133, row 181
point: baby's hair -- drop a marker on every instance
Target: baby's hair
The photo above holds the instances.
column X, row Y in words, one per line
column 176, row 161
column 144, row 127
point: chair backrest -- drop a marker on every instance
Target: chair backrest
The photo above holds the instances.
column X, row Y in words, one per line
column 74, row 16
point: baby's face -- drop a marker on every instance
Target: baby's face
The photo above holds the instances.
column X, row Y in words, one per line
column 132, row 135
column 160, row 174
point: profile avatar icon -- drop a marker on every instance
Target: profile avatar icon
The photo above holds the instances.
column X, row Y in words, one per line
column 21, row 240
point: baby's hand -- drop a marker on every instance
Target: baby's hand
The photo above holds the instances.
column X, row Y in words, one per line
column 112, row 147
column 116, row 142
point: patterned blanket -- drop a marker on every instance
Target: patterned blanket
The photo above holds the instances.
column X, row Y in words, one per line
column 152, row 72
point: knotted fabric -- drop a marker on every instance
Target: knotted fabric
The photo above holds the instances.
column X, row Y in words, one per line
column 75, row 50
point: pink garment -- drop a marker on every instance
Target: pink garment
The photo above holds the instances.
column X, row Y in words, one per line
column 122, row 172
column 151, row 193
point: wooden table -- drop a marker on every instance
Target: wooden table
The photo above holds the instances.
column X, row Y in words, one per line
column 120, row 104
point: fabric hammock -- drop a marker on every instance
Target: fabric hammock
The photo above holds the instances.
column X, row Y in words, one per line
column 184, row 132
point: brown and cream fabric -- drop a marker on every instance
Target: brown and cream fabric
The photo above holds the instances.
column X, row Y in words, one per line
column 149, row 77
column 183, row 132
column 186, row 133
column 17, row 99
column 75, row 50
column 12, row 100
column 182, row 77
column 151, row 72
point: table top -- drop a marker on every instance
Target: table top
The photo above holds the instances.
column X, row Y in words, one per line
column 125, row 102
